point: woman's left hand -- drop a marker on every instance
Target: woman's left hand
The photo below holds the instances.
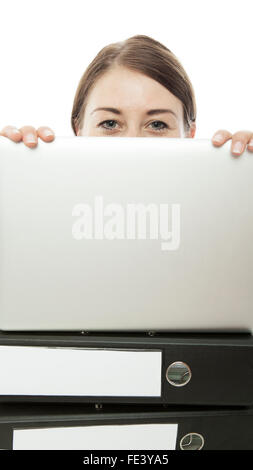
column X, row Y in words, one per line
column 240, row 140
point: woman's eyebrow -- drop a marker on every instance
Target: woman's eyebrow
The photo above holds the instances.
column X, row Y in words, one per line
column 151, row 112
column 112, row 110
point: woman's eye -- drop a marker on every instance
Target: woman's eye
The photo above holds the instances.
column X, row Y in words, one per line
column 158, row 125
column 109, row 124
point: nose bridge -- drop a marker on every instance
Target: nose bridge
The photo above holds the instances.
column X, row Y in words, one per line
column 132, row 123
column 132, row 133
column 133, row 128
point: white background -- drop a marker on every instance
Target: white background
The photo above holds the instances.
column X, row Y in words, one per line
column 46, row 46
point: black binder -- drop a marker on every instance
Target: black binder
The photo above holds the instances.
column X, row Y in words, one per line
column 203, row 369
column 62, row 427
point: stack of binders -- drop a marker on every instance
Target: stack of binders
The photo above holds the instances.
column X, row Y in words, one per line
column 162, row 392
column 113, row 345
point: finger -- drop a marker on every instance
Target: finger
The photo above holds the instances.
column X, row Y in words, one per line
column 220, row 137
column 239, row 142
column 11, row 133
column 46, row 134
column 250, row 144
column 30, row 137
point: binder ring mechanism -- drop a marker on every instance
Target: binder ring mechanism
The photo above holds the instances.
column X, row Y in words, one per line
column 178, row 374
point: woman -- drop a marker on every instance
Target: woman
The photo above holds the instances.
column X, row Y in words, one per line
column 134, row 88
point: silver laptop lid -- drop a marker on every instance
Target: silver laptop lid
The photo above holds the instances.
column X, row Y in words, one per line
column 131, row 234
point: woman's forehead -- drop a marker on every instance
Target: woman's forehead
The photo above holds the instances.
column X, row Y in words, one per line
column 123, row 88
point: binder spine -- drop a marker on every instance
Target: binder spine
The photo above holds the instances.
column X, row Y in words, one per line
column 63, row 428
column 159, row 370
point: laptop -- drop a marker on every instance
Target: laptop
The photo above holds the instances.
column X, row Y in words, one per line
column 125, row 234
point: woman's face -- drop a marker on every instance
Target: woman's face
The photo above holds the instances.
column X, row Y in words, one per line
column 126, row 103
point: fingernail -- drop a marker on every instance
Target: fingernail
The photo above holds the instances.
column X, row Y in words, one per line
column 48, row 133
column 30, row 139
column 15, row 131
column 251, row 143
column 218, row 138
column 237, row 147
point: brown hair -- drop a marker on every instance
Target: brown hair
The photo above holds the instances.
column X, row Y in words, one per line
column 146, row 55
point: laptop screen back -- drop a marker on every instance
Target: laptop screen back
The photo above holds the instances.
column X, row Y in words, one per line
column 129, row 234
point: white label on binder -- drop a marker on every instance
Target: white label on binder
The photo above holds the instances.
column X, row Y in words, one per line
column 116, row 437
column 79, row 372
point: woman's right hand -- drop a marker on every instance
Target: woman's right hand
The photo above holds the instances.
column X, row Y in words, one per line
column 28, row 134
